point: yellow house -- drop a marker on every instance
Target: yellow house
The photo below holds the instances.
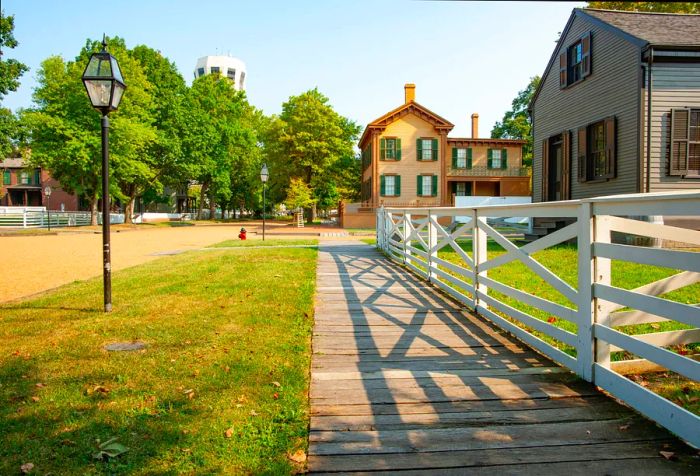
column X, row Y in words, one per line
column 408, row 160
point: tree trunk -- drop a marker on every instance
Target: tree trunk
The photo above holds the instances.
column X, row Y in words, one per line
column 93, row 210
column 202, row 194
column 311, row 213
column 212, row 208
column 129, row 210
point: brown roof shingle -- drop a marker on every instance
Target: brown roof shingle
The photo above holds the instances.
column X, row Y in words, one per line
column 668, row 29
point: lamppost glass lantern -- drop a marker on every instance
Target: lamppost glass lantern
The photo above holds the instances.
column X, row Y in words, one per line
column 103, row 81
column 264, row 174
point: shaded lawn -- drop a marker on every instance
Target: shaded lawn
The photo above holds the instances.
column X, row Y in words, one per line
column 228, row 348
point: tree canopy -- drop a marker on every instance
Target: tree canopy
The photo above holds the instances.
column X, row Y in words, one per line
column 659, row 7
column 516, row 123
column 10, row 72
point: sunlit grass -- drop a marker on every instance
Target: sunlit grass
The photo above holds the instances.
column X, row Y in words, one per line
column 221, row 386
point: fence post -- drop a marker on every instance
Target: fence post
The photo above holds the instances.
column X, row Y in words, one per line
column 601, row 274
column 432, row 243
column 378, row 226
column 586, row 306
column 480, row 255
column 24, row 218
column 406, row 237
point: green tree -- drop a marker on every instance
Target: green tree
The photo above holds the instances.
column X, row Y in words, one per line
column 10, row 72
column 299, row 194
column 218, row 137
column 65, row 129
column 516, row 123
column 660, row 7
column 308, row 139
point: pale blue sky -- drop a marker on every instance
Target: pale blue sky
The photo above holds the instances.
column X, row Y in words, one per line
column 463, row 56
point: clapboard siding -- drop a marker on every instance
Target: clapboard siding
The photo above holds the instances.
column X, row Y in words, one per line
column 673, row 86
column 610, row 90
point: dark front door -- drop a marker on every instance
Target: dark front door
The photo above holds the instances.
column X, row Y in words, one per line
column 555, row 167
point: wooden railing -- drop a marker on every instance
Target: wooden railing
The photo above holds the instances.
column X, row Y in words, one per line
column 481, row 171
column 596, row 318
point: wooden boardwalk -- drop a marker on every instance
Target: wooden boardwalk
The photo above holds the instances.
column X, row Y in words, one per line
column 404, row 380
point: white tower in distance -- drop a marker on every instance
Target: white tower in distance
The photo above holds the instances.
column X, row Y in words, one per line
column 227, row 66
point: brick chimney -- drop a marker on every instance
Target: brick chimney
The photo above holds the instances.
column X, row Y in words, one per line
column 475, row 126
column 409, row 92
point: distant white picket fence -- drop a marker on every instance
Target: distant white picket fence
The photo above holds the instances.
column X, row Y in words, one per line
column 39, row 217
column 413, row 236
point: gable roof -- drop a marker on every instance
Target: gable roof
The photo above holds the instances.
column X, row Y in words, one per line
column 640, row 28
column 656, row 29
column 410, row 107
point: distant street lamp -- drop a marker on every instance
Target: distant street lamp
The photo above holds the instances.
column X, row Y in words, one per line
column 264, row 175
column 105, row 87
column 47, row 192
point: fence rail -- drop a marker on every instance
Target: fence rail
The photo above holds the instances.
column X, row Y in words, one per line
column 599, row 313
column 35, row 217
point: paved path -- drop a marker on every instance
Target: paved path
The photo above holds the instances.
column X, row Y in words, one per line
column 404, row 380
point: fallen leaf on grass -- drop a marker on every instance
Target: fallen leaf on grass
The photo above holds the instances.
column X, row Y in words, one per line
column 26, row 467
column 227, row 369
column 228, row 433
column 551, row 319
column 110, row 449
column 278, row 276
column 253, row 413
column 299, row 456
column 275, row 395
column 40, row 385
column 667, row 454
column 656, row 327
column 276, row 384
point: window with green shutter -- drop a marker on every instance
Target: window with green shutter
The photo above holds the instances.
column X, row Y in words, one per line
column 462, row 158
column 6, row 177
column 496, row 159
column 426, row 149
column 390, row 148
column 427, row 186
column 434, row 183
column 382, row 185
column 390, row 185
column 504, row 159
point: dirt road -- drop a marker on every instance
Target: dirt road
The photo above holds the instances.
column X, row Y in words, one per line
column 31, row 264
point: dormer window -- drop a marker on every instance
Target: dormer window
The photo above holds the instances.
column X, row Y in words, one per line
column 575, row 62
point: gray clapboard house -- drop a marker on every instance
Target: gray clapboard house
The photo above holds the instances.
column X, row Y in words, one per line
column 612, row 77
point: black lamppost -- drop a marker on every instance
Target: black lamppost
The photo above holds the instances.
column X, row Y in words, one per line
column 105, row 87
column 264, row 174
column 47, row 192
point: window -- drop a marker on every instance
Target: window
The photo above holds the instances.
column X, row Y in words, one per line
column 427, row 186
column 390, row 148
column 575, row 62
column 367, row 157
column 427, row 149
column 6, row 177
column 461, row 189
column 242, row 81
column 596, row 151
column 462, row 158
column 231, row 74
column 684, row 155
column 214, row 69
column 200, row 71
column 390, row 185
column 497, row 159
column 24, row 178
column 37, row 177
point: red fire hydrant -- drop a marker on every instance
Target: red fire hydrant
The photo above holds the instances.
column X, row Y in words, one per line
column 242, row 234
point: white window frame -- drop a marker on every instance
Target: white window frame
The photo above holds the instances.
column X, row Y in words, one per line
column 390, row 185
column 427, row 149
column 427, row 185
column 496, row 158
column 461, row 158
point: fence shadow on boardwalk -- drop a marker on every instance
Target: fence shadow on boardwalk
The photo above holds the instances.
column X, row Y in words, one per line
column 404, row 378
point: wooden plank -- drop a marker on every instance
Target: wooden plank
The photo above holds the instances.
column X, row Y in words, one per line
column 487, row 437
column 674, row 259
column 496, row 461
column 395, row 374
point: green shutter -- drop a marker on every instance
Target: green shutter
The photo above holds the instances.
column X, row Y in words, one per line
column 419, row 149
column 489, row 162
column 419, row 190
column 504, row 159
column 7, row 177
column 397, row 185
column 397, row 144
column 435, row 149
column 434, row 188
column 382, row 149
column 469, row 158
column 454, row 157
column 382, row 185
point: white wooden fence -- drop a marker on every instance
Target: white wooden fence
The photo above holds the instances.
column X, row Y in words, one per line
column 38, row 217
column 598, row 310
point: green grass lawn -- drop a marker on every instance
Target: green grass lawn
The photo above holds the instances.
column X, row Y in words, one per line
column 220, row 388
column 273, row 242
